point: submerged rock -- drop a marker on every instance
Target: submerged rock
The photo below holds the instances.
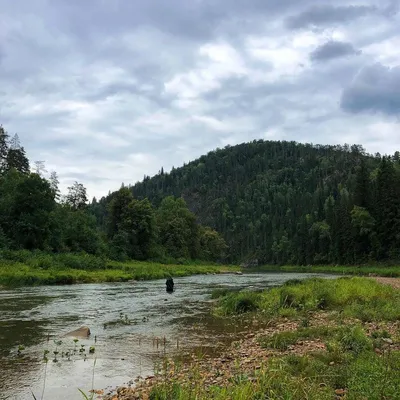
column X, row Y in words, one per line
column 82, row 332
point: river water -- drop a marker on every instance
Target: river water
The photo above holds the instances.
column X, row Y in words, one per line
column 132, row 324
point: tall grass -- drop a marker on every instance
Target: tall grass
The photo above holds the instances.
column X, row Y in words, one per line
column 357, row 297
column 40, row 268
column 293, row 377
column 348, row 368
column 362, row 270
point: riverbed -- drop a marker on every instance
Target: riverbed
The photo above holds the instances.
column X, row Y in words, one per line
column 133, row 325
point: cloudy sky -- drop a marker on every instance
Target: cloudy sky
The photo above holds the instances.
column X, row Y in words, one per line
column 106, row 91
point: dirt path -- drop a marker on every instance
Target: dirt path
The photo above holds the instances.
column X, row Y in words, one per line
column 394, row 282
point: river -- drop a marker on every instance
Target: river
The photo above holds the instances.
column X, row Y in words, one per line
column 132, row 324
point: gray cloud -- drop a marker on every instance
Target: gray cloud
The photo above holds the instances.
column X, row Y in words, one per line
column 110, row 91
column 333, row 49
column 324, row 15
column 375, row 88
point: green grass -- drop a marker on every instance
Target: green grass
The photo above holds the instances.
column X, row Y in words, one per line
column 293, row 377
column 282, row 340
column 38, row 268
column 238, row 302
column 349, row 364
column 356, row 297
column 343, row 339
column 362, row 270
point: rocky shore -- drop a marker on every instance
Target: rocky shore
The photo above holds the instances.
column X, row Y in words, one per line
column 244, row 357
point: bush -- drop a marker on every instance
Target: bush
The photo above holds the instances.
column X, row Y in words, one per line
column 81, row 261
column 43, row 261
column 240, row 302
column 21, row 256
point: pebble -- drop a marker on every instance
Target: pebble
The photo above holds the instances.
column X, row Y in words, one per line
column 252, row 357
column 340, row 392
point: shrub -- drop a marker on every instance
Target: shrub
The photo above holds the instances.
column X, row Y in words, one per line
column 239, row 303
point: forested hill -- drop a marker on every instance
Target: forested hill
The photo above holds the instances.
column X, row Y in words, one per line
column 284, row 202
column 275, row 202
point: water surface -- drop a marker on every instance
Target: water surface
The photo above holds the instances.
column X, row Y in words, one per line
column 129, row 321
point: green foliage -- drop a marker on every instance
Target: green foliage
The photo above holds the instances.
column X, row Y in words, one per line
column 313, row 377
column 376, row 270
column 74, row 231
column 212, row 245
column 15, row 157
column 126, row 228
column 34, row 268
column 388, row 209
column 138, row 222
column 119, row 246
column 361, row 298
column 354, row 340
column 26, row 202
column 116, row 209
column 288, row 203
column 267, row 202
column 178, row 231
column 137, row 231
column 239, row 302
column 348, row 368
column 76, row 197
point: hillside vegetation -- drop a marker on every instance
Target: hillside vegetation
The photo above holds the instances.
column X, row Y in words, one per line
column 273, row 202
column 289, row 203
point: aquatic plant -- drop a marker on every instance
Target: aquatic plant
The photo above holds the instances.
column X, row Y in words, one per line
column 122, row 320
column 92, row 392
column 20, row 349
column 56, row 352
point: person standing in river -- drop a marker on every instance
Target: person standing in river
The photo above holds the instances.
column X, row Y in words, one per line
column 170, row 285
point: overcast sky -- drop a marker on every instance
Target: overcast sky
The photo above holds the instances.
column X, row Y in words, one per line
column 106, row 91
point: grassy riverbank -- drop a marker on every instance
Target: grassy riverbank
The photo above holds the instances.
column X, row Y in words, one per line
column 28, row 268
column 325, row 339
column 362, row 270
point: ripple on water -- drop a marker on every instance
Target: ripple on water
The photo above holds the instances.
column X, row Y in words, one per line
column 29, row 315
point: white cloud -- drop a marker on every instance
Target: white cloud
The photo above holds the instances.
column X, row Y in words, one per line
column 217, row 61
column 107, row 94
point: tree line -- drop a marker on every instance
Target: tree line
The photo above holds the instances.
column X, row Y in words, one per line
column 34, row 215
column 285, row 202
column 270, row 201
